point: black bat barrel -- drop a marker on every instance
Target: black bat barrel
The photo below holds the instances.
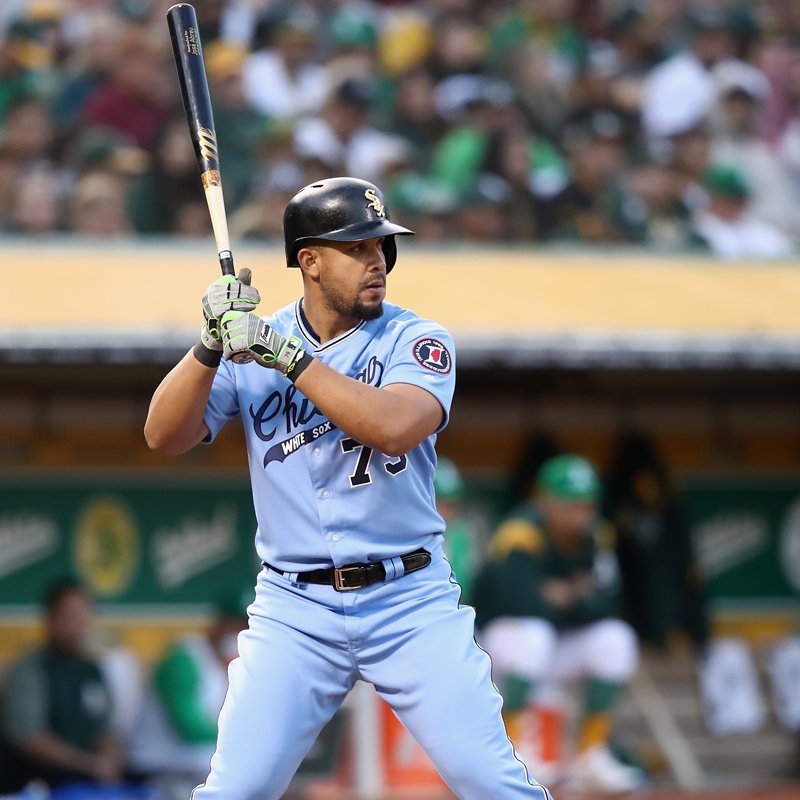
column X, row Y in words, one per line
column 186, row 47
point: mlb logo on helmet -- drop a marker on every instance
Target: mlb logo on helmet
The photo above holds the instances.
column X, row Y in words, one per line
column 433, row 355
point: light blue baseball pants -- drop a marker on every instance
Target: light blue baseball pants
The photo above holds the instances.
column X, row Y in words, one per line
column 306, row 646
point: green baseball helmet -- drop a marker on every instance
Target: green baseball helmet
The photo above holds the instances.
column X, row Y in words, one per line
column 447, row 481
column 569, row 477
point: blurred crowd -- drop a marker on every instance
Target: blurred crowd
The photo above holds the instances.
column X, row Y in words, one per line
column 667, row 123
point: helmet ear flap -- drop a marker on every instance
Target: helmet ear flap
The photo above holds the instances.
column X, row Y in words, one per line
column 389, row 252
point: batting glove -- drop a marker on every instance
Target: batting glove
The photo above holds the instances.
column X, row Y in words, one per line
column 246, row 337
column 226, row 294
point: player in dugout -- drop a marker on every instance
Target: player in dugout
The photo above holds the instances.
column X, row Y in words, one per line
column 546, row 600
column 56, row 706
column 341, row 402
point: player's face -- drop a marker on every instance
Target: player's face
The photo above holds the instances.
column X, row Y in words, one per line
column 69, row 623
column 352, row 278
column 568, row 519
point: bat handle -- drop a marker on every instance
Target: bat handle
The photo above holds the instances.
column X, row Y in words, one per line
column 226, row 265
column 226, row 262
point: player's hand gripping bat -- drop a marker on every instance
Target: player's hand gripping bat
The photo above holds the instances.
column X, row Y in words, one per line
column 188, row 54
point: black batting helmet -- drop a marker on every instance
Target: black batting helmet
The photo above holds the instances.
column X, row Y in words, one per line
column 339, row 210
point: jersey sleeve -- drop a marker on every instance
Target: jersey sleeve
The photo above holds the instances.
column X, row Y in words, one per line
column 223, row 402
column 177, row 683
column 424, row 356
column 25, row 702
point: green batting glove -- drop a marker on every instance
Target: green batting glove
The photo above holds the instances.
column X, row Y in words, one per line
column 246, row 337
column 226, row 294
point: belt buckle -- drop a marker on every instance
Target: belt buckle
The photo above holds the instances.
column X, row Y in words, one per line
column 338, row 578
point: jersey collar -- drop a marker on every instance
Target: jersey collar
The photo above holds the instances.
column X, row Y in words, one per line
column 311, row 335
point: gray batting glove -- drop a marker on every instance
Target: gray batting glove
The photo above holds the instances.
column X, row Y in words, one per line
column 226, row 294
column 246, row 337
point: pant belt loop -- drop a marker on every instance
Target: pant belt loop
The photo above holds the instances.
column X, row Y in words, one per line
column 394, row 567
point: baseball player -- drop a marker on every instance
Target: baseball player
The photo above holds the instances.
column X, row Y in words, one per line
column 546, row 601
column 341, row 402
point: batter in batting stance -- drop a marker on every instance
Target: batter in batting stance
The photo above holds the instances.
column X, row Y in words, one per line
column 341, row 404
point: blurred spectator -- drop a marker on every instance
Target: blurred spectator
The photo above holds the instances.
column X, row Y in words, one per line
column 742, row 90
column 728, row 228
column 353, row 34
column 88, row 68
column 779, row 59
column 101, row 150
column 689, row 158
column 56, row 707
column 649, row 209
column 480, row 215
column 175, row 734
column 276, row 178
column 545, row 605
column 160, row 194
column 405, row 40
column 595, row 91
column 662, row 586
column 135, row 100
column 488, row 136
column 210, row 14
column 26, row 147
column 679, row 93
column 511, row 159
column 282, row 78
column 37, row 205
column 538, row 47
column 9, row 173
column 28, row 132
column 413, row 115
column 642, row 35
column 422, row 203
column 98, row 206
column 33, row 48
column 343, row 138
column 458, row 48
column 583, row 209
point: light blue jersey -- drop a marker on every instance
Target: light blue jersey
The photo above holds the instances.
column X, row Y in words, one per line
column 321, row 497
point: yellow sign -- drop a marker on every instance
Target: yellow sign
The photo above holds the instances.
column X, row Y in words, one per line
column 106, row 547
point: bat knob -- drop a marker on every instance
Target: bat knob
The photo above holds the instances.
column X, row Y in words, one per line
column 241, row 358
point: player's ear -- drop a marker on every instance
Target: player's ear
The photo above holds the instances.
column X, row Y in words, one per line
column 308, row 258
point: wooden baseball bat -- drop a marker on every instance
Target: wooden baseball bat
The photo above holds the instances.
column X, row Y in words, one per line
column 186, row 48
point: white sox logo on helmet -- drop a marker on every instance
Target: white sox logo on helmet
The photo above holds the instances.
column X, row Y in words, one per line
column 375, row 202
column 433, row 355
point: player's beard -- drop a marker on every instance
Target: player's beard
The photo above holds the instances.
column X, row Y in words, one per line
column 365, row 312
column 348, row 306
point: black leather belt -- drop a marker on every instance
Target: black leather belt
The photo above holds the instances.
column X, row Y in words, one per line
column 357, row 576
